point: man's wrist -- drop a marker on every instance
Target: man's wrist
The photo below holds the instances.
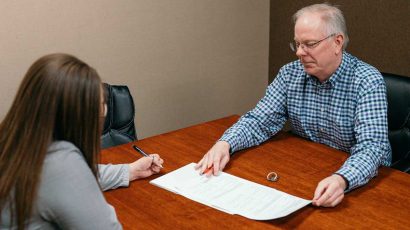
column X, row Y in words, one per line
column 343, row 181
column 226, row 145
column 231, row 140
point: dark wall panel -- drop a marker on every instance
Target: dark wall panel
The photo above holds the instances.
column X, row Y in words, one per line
column 379, row 32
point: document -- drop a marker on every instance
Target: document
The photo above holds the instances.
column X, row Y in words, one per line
column 230, row 194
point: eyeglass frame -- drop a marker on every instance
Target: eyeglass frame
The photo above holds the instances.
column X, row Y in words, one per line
column 294, row 45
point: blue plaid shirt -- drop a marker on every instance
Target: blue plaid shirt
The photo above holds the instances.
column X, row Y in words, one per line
column 347, row 112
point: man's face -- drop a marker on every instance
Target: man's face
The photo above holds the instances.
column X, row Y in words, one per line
column 322, row 59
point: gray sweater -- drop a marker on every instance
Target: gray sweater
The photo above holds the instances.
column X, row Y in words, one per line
column 69, row 196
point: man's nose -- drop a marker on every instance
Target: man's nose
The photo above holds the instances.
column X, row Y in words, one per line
column 300, row 51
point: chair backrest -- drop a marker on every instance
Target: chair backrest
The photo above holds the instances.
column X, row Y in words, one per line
column 398, row 97
column 119, row 125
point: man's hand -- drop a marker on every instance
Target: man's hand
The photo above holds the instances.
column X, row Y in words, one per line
column 330, row 191
column 145, row 167
column 217, row 157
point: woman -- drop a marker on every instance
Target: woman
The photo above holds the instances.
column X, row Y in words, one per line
column 49, row 146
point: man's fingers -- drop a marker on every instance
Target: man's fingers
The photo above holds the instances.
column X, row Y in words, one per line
column 214, row 160
column 323, row 192
column 204, row 164
column 207, row 167
column 199, row 164
column 338, row 200
column 333, row 201
column 210, row 159
column 329, row 194
column 224, row 161
column 216, row 166
column 334, row 198
column 320, row 189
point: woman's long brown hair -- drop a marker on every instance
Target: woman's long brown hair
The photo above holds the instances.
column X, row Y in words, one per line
column 58, row 99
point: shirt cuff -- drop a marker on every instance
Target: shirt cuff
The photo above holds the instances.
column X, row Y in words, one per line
column 230, row 139
column 113, row 176
column 346, row 181
column 125, row 175
column 347, row 173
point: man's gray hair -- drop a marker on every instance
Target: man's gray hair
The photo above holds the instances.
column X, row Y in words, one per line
column 332, row 16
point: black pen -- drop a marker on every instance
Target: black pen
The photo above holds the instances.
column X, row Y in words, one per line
column 145, row 154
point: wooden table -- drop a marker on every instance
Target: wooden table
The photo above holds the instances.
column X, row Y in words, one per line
column 384, row 203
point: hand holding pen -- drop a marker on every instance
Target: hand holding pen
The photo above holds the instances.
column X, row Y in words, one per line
column 145, row 166
column 214, row 160
column 146, row 155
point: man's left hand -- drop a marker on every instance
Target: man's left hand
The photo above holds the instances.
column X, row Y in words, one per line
column 330, row 191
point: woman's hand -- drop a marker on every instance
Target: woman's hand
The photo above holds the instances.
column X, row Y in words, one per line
column 145, row 167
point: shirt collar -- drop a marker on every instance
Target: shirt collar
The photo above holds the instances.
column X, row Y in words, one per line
column 341, row 70
column 335, row 77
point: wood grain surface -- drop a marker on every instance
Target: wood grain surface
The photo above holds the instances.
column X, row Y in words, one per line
column 301, row 164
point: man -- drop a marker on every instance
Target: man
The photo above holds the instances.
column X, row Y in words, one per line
column 329, row 96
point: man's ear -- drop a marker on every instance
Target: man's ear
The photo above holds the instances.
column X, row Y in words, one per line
column 339, row 43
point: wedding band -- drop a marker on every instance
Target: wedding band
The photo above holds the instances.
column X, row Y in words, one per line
column 272, row 176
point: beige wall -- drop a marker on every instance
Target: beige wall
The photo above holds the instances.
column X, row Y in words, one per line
column 185, row 61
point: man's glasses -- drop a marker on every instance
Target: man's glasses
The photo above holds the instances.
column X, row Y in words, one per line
column 294, row 46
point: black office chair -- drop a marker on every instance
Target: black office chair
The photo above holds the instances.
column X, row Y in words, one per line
column 119, row 125
column 398, row 97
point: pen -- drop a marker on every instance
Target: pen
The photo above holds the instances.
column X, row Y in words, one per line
column 145, row 154
column 208, row 169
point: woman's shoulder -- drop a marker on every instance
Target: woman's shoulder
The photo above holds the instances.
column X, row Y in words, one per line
column 64, row 160
column 61, row 146
column 63, row 152
column 64, row 173
column 69, row 195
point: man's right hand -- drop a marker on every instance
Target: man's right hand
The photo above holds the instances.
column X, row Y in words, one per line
column 217, row 157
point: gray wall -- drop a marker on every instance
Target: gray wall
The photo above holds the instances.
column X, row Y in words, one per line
column 379, row 32
column 185, row 61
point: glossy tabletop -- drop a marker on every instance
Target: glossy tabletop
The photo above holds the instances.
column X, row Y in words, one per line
column 384, row 203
